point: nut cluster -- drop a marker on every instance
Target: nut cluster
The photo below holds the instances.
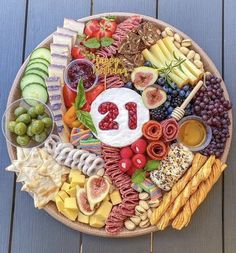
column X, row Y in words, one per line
column 143, row 212
column 184, row 46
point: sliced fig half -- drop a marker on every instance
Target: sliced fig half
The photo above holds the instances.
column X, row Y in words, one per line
column 97, row 189
column 143, row 77
column 153, row 97
column 82, row 201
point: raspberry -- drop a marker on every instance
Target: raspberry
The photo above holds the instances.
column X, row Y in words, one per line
column 125, row 165
column 139, row 161
column 139, row 146
column 126, row 153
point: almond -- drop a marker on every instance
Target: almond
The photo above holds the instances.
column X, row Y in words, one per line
column 164, row 34
column 198, row 64
column 186, row 43
column 190, row 54
column 177, row 44
column 139, row 210
column 130, row 225
column 197, row 57
column 178, row 38
column 144, row 216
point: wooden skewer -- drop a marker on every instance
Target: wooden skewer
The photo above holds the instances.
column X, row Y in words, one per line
column 178, row 112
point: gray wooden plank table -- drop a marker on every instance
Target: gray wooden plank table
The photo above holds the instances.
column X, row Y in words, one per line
column 23, row 229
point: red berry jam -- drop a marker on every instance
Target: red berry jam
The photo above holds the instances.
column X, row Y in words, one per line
column 81, row 69
column 132, row 110
column 108, row 122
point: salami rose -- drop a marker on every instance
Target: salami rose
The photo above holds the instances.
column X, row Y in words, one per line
column 152, row 130
column 170, row 129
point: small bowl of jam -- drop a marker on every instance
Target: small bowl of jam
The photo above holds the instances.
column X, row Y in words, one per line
column 194, row 133
column 80, row 69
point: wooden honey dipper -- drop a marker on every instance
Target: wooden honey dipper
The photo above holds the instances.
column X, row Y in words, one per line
column 178, row 112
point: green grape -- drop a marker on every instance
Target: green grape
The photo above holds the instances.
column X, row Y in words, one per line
column 19, row 110
column 11, row 126
column 23, row 140
column 25, row 118
column 20, row 128
column 37, row 127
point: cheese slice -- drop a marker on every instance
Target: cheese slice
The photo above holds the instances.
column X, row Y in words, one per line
column 57, row 59
column 74, row 25
column 56, row 70
column 63, row 39
column 74, row 172
column 60, row 49
column 67, row 31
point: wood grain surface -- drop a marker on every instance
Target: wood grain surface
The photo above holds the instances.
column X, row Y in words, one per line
column 213, row 227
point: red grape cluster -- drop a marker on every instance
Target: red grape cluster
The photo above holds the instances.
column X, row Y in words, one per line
column 212, row 107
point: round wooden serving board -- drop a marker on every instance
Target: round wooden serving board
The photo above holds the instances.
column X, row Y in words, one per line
column 15, row 94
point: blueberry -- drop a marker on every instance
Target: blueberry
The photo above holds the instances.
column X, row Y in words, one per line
column 167, row 104
column 173, row 85
column 169, row 98
column 161, row 81
column 186, row 88
column 174, row 93
column 170, row 91
column 182, row 93
column 148, row 64
column 187, row 93
column 170, row 109
column 165, row 88
column 129, row 85
column 178, row 90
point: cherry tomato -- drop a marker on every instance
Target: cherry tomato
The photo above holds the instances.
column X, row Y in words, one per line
column 69, row 96
column 76, row 53
column 91, row 27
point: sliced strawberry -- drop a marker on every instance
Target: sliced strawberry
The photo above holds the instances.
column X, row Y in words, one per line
column 91, row 27
column 76, row 53
column 102, row 33
column 108, row 24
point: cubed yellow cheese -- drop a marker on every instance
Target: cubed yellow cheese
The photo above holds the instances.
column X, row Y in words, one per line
column 94, row 221
column 70, row 203
column 78, row 180
column 83, row 218
column 72, row 192
column 107, row 198
column 65, row 186
column 115, row 198
column 70, row 214
column 63, row 195
column 104, row 210
column 59, row 203
column 74, row 172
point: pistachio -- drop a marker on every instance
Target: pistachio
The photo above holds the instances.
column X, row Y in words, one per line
column 169, row 31
column 154, row 203
column 186, row 43
column 184, row 50
column 164, row 34
column 149, row 213
column 130, row 225
column 139, row 210
column 143, row 196
column 135, row 219
column 144, row 204
column 171, row 38
column 190, row 54
column 177, row 44
column 178, row 38
column 197, row 57
column 144, row 224
column 198, row 63
column 144, row 216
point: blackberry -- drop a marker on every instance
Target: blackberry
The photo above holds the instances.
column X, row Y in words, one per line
column 159, row 113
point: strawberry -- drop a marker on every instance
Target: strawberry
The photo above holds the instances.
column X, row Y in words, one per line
column 139, row 146
column 139, row 161
column 126, row 152
column 77, row 53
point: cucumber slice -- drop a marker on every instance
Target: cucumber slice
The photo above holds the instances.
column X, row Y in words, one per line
column 37, row 66
column 36, row 91
column 41, row 60
column 41, row 52
column 31, row 78
column 37, row 71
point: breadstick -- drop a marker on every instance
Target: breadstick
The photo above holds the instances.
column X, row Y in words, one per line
column 183, row 218
column 169, row 197
column 183, row 197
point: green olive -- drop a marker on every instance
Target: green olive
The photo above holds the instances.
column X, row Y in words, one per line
column 37, row 127
column 42, row 116
column 40, row 137
column 39, row 109
column 19, row 110
column 25, row 118
column 20, row 128
column 47, row 122
column 11, row 126
column 32, row 113
column 29, row 131
column 23, row 140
